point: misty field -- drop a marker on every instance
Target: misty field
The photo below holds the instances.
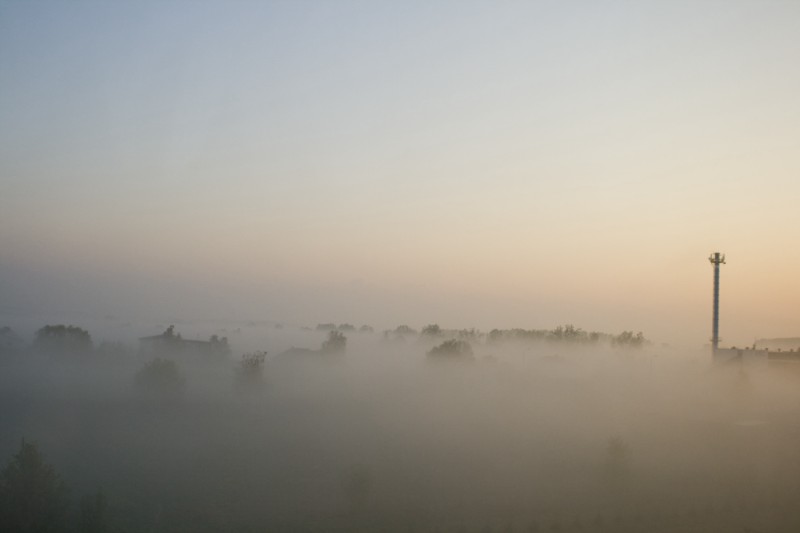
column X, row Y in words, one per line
column 516, row 436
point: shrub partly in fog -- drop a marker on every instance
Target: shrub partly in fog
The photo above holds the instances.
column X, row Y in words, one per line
column 32, row 496
column 405, row 331
column 628, row 339
column 431, row 330
column 617, row 462
column 63, row 338
column 250, row 372
column 452, row 349
column 335, row 343
column 160, row 377
column 93, row 513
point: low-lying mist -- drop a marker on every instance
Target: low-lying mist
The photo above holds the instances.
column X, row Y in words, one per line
column 514, row 436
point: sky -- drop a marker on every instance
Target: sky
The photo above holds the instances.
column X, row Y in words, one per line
column 486, row 164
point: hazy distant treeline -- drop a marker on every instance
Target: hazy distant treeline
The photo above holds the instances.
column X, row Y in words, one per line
column 69, row 338
column 568, row 333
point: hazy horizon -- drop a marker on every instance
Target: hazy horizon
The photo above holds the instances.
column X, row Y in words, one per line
column 471, row 164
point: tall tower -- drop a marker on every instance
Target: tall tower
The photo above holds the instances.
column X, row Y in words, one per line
column 716, row 259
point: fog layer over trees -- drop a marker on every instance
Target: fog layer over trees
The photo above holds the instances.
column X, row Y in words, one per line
column 436, row 430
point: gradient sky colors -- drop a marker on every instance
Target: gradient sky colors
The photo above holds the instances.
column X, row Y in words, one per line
column 489, row 164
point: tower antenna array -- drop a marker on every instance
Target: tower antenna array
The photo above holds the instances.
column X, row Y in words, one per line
column 716, row 259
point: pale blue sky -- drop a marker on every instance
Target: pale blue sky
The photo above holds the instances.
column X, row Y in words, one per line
column 470, row 163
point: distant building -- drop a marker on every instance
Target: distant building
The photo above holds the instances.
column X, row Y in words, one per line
column 758, row 355
column 784, row 344
column 741, row 355
column 170, row 343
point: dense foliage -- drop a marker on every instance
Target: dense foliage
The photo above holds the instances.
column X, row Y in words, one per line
column 567, row 334
column 33, row 499
column 160, row 377
column 250, row 373
column 63, row 338
column 452, row 349
column 336, row 343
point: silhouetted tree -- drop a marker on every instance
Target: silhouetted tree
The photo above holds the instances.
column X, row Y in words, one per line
column 469, row 334
column 33, row 499
column 628, row 339
column 250, row 373
column 63, row 339
column 160, row 377
column 432, row 330
column 219, row 345
column 617, row 461
column 452, row 349
column 569, row 333
column 404, row 331
column 93, row 516
column 336, row 343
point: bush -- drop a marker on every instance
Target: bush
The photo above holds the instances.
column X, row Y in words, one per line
column 404, row 331
column 218, row 346
column 161, row 377
column 432, row 330
column 617, row 461
column 452, row 349
column 336, row 343
column 63, row 338
column 629, row 340
column 250, row 373
column 93, row 517
column 32, row 496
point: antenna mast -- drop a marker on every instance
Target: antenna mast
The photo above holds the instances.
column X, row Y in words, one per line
column 716, row 259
